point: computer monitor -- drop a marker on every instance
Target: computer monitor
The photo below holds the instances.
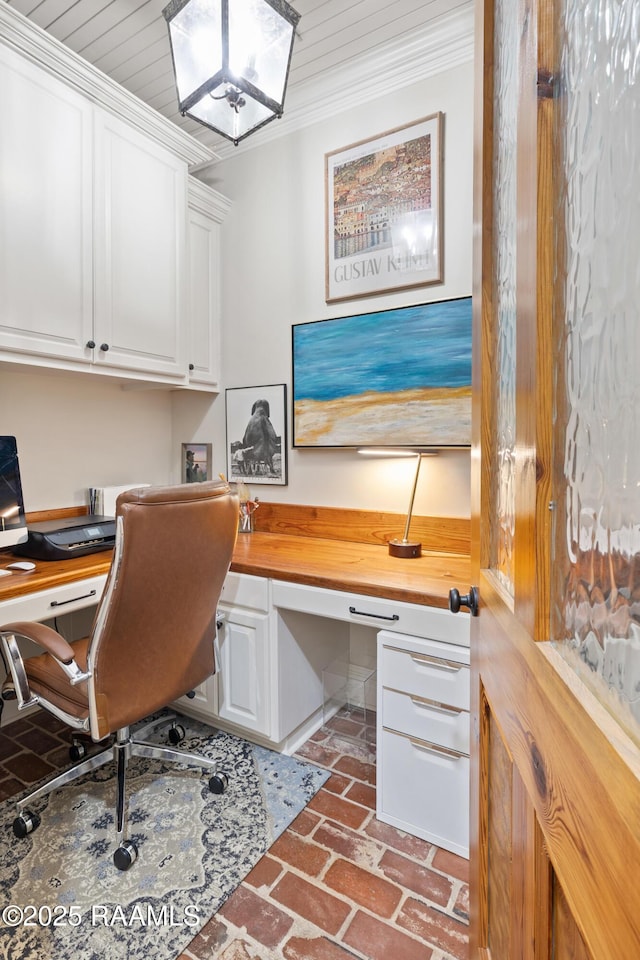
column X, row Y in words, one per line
column 13, row 524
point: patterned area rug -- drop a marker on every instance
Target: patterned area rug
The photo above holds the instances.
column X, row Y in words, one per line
column 60, row 894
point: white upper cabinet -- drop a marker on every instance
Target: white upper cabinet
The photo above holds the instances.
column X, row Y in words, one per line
column 46, row 255
column 207, row 209
column 95, row 270
column 140, row 251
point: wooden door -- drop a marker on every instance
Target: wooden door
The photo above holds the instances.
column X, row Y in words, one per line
column 555, row 781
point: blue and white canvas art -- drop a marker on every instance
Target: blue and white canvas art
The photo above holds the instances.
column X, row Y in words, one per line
column 391, row 378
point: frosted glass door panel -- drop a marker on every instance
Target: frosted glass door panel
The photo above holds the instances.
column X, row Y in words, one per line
column 597, row 497
column 504, row 287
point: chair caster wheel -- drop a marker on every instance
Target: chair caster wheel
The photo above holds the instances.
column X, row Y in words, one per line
column 125, row 856
column 176, row 734
column 26, row 823
column 77, row 751
column 218, row 783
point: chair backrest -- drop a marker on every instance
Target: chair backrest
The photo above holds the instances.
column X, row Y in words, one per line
column 153, row 636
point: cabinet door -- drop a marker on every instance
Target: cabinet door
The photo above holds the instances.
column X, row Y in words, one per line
column 45, row 226
column 203, row 353
column 203, row 703
column 140, row 223
column 243, row 665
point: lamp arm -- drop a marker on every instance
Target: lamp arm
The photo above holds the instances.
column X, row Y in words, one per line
column 413, row 495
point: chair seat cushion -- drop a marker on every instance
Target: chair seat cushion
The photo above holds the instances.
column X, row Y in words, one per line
column 48, row 680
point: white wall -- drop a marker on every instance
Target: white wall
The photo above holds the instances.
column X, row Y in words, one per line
column 273, row 277
column 75, row 431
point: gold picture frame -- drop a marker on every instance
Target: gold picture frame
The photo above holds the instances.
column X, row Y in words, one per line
column 383, row 212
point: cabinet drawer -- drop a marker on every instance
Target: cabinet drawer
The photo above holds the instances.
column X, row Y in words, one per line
column 424, row 792
column 46, row 604
column 426, row 672
column 244, row 590
column 418, row 717
column 378, row 612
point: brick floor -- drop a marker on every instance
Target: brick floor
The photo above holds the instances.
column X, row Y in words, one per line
column 337, row 885
column 32, row 747
column 340, row 885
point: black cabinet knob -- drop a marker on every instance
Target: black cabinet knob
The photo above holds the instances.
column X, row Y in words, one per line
column 104, row 347
column 91, row 344
column 470, row 600
column 192, row 366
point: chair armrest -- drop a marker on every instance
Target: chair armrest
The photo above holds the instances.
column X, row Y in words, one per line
column 44, row 636
column 55, row 645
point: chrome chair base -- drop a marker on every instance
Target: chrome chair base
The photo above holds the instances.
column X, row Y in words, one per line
column 123, row 748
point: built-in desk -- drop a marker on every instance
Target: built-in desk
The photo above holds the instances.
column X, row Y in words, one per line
column 289, row 606
column 332, row 564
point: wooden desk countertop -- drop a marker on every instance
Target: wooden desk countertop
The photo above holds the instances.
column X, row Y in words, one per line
column 333, row 564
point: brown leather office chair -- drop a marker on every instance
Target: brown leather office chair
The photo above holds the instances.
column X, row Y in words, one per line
column 152, row 639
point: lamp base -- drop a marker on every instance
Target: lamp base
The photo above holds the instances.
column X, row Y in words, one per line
column 405, row 549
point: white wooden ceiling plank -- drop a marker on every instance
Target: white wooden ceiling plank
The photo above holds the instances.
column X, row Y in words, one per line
column 59, row 17
column 162, row 92
column 147, row 83
column 332, row 51
column 131, row 47
column 25, row 7
column 81, row 32
column 363, row 19
column 325, row 14
column 132, row 28
column 134, row 70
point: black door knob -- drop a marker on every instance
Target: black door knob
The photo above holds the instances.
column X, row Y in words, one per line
column 470, row 600
column 91, row 344
column 104, row 347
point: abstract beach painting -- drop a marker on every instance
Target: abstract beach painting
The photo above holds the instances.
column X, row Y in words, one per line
column 392, row 378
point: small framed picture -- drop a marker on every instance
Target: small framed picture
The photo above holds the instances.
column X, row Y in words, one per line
column 257, row 434
column 196, row 462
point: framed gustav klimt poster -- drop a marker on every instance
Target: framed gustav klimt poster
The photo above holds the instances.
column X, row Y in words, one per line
column 383, row 212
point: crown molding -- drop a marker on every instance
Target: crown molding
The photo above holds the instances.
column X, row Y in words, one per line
column 443, row 44
column 207, row 201
column 33, row 43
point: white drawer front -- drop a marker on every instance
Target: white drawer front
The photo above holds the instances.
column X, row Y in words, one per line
column 392, row 615
column 424, row 792
column 243, row 590
column 426, row 673
column 444, row 725
column 46, row 604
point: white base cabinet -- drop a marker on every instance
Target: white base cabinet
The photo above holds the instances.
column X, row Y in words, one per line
column 243, row 669
column 276, row 638
column 423, row 739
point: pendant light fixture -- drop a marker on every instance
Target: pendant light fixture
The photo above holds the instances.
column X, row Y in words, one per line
column 231, row 61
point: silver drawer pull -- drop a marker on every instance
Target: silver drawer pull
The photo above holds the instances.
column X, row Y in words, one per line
column 437, row 662
column 434, row 705
column 376, row 616
column 429, row 747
